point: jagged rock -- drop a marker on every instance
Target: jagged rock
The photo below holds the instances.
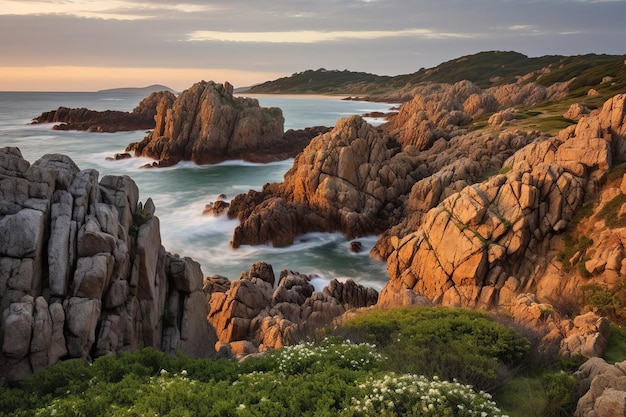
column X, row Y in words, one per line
column 250, row 309
column 576, row 112
column 141, row 118
column 604, row 389
column 207, row 124
column 216, row 207
column 348, row 180
column 96, row 300
column 464, row 249
column 588, row 336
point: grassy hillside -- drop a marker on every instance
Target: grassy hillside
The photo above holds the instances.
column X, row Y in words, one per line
column 486, row 69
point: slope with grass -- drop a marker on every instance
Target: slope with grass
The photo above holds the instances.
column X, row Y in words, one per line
column 485, row 69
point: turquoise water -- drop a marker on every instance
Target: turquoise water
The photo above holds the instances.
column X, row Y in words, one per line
column 181, row 192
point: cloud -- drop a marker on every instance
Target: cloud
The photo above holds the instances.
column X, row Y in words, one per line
column 100, row 9
column 314, row 36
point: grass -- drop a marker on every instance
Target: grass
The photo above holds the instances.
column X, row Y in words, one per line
column 617, row 171
column 573, row 246
column 522, row 396
column 616, row 348
column 610, row 212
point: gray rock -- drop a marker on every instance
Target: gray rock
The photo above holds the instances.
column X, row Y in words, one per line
column 81, row 319
column 17, row 329
column 42, row 335
column 21, row 234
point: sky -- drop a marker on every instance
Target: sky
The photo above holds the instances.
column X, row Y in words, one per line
column 88, row 45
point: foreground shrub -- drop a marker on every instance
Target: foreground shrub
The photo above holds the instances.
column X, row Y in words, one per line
column 411, row 395
column 311, row 357
column 448, row 342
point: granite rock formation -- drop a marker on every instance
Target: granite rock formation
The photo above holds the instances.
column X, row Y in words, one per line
column 484, row 244
column 251, row 314
column 141, row 118
column 440, row 110
column 83, row 272
column 207, row 124
column 349, row 179
column 604, row 389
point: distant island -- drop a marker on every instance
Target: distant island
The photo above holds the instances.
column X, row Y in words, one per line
column 147, row 90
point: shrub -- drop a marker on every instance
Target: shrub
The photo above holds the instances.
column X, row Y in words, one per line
column 451, row 343
column 411, row 395
column 561, row 393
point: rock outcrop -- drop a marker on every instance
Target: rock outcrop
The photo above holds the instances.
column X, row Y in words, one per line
column 349, row 179
column 141, row 118
column 604, row 389
column 251, row 314
column 207, row 124
column 83, row 272
column 440, row 110
column 479, row 243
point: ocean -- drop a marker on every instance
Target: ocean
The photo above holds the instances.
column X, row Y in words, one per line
column 181, row 192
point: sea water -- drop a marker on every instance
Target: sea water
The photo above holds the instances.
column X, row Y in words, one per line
column 181, row 192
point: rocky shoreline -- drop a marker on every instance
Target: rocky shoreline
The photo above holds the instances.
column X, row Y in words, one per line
column 467, row 217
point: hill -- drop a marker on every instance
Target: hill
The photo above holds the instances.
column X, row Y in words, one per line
column 485, row 69
column 146, row 90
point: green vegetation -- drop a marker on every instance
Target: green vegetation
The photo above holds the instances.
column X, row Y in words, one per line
column 607, row 302
column 411, row 371
column 450, row 343
column 505, row 170
column 485, row 69
column 610, row 212
column 616, row 173
column 320, row 81
column 616, row 348
column 572, row 247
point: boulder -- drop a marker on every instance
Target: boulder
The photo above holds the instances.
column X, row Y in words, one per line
column 604, row 389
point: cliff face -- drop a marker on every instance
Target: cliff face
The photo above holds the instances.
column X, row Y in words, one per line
column 488, row 242
column 83, row 272
column 206, row 124
column 471, row 219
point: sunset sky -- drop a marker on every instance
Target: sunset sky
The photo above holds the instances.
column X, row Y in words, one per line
column 87, row 45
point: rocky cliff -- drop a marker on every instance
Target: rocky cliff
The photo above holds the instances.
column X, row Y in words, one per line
column 468, row 218
column 489, row 241
column 83, row 272
column 361, row 180
column 207, row 124
column 141, row 118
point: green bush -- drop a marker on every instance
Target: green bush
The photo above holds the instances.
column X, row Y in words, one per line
column 411, row 395
column 561, row 393
column 450, row 343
